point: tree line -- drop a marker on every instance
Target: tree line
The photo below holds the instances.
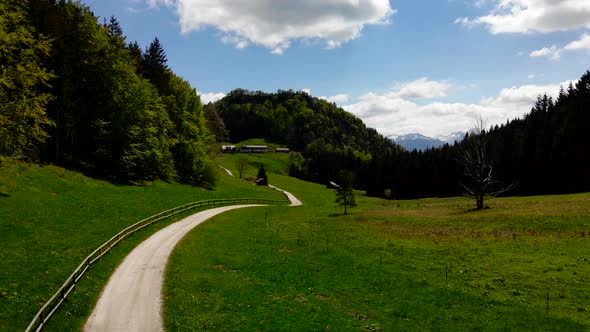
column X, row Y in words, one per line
column 542, row 153
column 74, row 93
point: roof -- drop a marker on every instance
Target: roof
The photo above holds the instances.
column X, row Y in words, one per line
column 255, row 147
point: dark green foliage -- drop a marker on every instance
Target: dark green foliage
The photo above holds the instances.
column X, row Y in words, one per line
column 261, row 177
column 155, row 68
column 110, row 121
column 545, row 152
column 328, row 137
column 23, row 80
column 114, row 27
column 344, row 193
column 191, row 141
column 215, row 123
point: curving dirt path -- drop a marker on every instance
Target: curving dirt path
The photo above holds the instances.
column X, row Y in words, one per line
column 291, row 197
column 226, row 170
column 132, row 299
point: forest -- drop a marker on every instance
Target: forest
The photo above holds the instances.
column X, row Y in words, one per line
column 542, row 153
column 75, row 93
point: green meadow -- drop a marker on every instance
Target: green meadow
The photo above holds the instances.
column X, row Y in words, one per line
column 422, row 264
column 430, row 264
column 51, row 218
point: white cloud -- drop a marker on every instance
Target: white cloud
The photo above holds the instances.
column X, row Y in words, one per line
column 390, row 114
column 275, row 24
column 339, row 98
column 306, row 90
column 552, row 53
column 210, row 97
column 525, row 16
column 580, row 44
column 422, row 88
column 531, row 76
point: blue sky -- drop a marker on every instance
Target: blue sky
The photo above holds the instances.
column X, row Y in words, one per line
column 427, row 66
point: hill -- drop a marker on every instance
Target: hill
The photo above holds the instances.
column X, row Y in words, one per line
column 328, row 137
column 52, row 218
column 542, row 153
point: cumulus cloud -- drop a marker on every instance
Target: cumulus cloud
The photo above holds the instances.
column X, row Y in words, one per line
column 391, row 114
column 552, row 53
column 580, row 44
column 275, row 24
column 525, row 16
column 339, row 98
column 210, row 97
column 422, row 88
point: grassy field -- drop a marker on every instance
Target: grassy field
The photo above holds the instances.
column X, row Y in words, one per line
column 273, row 162
column 390, row 265
column 51, row 218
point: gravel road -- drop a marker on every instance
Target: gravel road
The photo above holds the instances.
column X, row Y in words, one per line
column 132, row 299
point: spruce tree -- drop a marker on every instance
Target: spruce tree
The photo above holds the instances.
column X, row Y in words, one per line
column 345, row 193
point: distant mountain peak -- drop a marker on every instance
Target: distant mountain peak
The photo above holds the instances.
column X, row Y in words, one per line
column 417, row 141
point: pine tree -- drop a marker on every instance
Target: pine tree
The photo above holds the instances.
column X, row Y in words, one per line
column 261, row 178
column 345, row 193
column 155, row 68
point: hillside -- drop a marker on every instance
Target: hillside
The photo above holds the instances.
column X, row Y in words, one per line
column 51, row 218
column 542, row 153
column 328, row 137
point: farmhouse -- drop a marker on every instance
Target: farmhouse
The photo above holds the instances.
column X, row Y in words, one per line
column 253, row 148
column 228, row 148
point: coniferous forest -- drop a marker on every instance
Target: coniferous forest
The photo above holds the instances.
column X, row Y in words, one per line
column 74, row 92
column 545, row 152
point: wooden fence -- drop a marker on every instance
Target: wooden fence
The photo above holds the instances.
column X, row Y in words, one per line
column 49, row 308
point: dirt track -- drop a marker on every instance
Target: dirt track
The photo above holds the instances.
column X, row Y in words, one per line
column 132, row 299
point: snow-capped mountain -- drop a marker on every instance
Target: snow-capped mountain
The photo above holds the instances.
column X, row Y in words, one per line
column 417, row 141
column 457, row 136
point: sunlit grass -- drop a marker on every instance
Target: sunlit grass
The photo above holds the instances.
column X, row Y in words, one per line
column 51, row 218
column 390, row 265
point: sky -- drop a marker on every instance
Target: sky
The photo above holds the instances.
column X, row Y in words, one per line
column 403, row 66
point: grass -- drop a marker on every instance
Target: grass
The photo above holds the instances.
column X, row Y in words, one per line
column 390, row 265
column 51, row 218
column 273, row 162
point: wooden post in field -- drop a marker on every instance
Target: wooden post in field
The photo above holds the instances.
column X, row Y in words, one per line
column 547, row 310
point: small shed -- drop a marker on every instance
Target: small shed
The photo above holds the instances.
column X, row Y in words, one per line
column 283, row 150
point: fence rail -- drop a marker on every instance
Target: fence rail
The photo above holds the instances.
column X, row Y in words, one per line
column 49, row 308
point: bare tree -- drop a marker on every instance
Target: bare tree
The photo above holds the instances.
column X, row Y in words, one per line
column 478, row 168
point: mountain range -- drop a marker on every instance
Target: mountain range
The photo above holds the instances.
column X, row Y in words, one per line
column 415, row 141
